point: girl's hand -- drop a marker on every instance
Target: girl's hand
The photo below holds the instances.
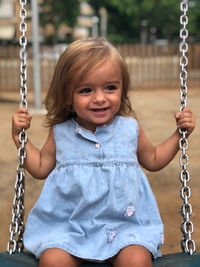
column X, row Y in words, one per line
column 21, row 119
column 185, row 120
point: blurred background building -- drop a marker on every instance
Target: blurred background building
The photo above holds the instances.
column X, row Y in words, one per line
column 147, row 36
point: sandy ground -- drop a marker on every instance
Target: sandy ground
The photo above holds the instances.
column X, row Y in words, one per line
column 155, row 111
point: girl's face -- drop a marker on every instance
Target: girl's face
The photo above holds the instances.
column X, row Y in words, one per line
column 97, row 97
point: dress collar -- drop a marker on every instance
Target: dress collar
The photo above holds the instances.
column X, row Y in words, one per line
column 106, row 128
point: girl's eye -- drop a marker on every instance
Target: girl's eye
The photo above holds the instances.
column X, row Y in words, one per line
column 85, row 91
column 111, row 87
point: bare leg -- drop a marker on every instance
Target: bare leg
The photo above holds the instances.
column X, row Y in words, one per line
column 54, row 257
column 132, row 256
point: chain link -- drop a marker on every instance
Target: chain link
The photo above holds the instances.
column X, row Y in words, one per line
column 17, row 222
column 187, row 228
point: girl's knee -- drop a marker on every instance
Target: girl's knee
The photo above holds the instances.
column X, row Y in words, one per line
column 140, row 261
column 54, row 257
column 133, row 256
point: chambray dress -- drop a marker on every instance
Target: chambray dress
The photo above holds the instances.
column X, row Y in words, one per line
column 97, row 200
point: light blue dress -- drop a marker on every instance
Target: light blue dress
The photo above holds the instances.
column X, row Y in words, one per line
column 97, row 200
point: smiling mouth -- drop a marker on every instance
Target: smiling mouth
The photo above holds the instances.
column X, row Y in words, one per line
column 99, row 109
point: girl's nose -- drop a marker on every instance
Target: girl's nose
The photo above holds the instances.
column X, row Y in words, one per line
column 99, row 96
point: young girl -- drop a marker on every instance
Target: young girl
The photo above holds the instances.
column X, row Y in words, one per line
column 96, row 203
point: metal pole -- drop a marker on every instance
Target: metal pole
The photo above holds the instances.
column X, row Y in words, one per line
column 36, row 54
column 95, row 21
column 143, row 34
column 103, row 14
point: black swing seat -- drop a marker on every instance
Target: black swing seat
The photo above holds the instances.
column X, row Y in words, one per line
column 26, row 259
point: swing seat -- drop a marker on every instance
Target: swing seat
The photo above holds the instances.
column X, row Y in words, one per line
column 26, row 259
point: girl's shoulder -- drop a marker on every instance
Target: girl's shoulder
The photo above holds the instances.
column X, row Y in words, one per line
column 63, row 128
column 128, row 124
column 129, row 121
column 64, row 124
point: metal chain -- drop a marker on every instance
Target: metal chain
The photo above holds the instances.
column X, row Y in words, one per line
column 187, row 244
column 17, row 223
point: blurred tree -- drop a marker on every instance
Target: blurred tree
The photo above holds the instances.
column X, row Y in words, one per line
column 194, row 20
column 56, row 13
column 126, row 18
column 161, row 16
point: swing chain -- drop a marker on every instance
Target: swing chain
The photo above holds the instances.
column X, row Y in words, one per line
column 17, row 223
column 187, row 228
column 23, row 54
column 183, row 50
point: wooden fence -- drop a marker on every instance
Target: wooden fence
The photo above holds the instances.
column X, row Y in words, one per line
column 149, row 66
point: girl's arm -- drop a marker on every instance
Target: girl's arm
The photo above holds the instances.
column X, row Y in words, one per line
column 155, row 158
column 39, row 163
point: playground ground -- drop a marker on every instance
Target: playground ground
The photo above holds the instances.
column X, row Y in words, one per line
column 155, row 111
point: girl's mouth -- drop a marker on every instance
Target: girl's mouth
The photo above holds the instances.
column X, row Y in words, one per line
column 100, row 111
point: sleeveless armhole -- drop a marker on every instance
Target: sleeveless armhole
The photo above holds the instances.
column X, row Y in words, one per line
column 137, row 131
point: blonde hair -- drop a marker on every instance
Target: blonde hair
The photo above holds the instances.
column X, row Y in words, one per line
column 75, row 62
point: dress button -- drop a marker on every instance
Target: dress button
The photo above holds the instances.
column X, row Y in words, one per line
column 97, row 145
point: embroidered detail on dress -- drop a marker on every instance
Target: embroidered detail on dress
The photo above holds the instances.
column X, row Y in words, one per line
column 162, row 238
column 161, row 241
column 129, row 211
column 112, row 236
column 111, row 233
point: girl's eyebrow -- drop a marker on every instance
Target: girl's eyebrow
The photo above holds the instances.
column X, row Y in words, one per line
column 90, row 84
column 81, row 85
column 118, row 82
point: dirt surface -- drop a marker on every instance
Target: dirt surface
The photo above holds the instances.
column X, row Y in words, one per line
column 155, row 111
